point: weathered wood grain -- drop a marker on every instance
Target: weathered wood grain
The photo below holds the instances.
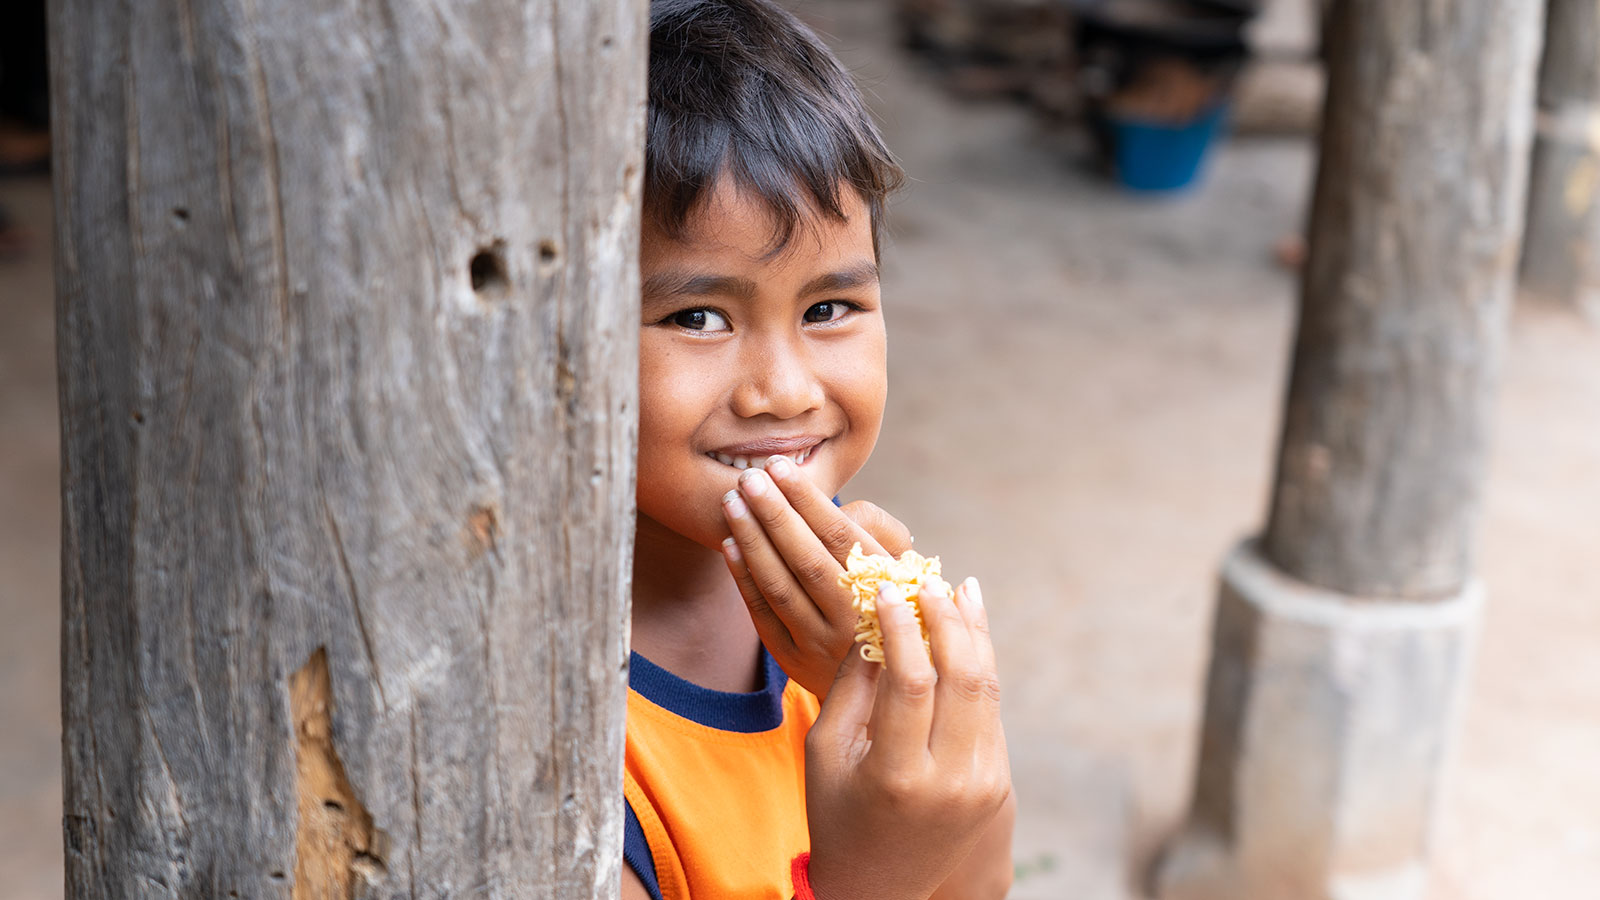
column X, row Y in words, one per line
column 347, row 316
column 1416, row 224
column 1561, row 255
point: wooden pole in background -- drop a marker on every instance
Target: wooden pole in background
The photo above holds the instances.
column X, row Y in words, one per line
column 1406, row 293
column 1561, row 255
column 1343, row 637
column 347, row 305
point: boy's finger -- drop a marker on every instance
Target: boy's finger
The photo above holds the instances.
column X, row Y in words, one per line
column 813, row 567
column 768, row 572
column 948, row 636
column 836, row 531
column 848, row 710
column 966, row 691
column 769, row 626
column 969, row 599
column 903, row 712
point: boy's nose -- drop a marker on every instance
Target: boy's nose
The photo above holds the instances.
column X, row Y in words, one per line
column 778, row 383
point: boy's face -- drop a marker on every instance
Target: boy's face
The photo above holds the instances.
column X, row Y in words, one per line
column 743, row 355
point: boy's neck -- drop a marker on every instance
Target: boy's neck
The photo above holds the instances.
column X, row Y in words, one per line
column 688, row 617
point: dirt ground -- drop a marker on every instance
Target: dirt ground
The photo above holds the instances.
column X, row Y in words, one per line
column 1084, row 398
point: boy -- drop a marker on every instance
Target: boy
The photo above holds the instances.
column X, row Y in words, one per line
column 757, row 764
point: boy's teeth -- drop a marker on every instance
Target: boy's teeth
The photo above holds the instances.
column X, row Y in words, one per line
column 745, row 462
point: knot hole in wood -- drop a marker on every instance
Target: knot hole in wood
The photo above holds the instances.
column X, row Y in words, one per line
column 488, row 270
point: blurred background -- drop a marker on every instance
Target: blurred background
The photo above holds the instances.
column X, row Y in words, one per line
column 1091, row 286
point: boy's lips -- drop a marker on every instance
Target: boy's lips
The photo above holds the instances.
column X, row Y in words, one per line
column 756, row 453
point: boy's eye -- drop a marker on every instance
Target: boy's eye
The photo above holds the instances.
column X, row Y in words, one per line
column 826, row 311
column 699, row 320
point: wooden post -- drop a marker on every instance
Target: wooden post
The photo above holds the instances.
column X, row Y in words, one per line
column 347, row 305
column 1342, row 637
column 1561, row 256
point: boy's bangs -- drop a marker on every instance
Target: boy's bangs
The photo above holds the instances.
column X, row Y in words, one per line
column 796, row 175
column 740, row 89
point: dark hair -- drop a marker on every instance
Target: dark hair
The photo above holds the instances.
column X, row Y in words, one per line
column 742, row 88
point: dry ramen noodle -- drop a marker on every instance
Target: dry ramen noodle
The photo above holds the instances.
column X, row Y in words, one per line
column 863, row 574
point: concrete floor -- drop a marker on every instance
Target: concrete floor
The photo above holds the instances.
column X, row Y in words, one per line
column 30, row 526
column 1092, row 383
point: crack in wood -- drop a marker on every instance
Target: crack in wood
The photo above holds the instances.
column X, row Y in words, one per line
column 352, row 591
column 338, row 853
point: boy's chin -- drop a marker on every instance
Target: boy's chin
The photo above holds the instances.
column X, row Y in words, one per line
column 678, row 524
column 697, row 515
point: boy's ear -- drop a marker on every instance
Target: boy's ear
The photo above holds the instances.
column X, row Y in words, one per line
column 889, row 531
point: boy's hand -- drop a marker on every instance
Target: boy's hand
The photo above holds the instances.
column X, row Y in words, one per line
column 786, row 552
column 891, row 533
column 893, row 814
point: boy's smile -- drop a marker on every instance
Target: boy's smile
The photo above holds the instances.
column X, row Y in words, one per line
column 756, row 453
column 746, row 353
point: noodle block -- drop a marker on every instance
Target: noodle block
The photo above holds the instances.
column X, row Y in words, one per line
column 864, row 574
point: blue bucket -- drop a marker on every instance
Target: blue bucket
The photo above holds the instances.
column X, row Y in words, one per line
column 1153, row 156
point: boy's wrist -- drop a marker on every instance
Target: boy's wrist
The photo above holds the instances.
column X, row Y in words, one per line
column 800, row 874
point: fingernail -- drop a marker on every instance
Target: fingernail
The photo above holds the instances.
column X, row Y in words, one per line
column 778, row 466
column 734, row 504
column 890, row 594
column 974, row 593
column 754, row 482
column 937, row 588
column 731, row 547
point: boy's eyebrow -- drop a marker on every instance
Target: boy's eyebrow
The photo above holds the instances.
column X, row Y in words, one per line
column 665, row 285
column 859, row 275
column 678, row 284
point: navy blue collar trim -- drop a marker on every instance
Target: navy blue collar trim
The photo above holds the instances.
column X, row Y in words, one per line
column 759, row 710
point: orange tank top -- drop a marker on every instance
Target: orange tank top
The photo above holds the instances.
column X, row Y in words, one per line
column 715, row 785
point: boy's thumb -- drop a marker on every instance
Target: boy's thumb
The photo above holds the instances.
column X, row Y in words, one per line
column 890, row 533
